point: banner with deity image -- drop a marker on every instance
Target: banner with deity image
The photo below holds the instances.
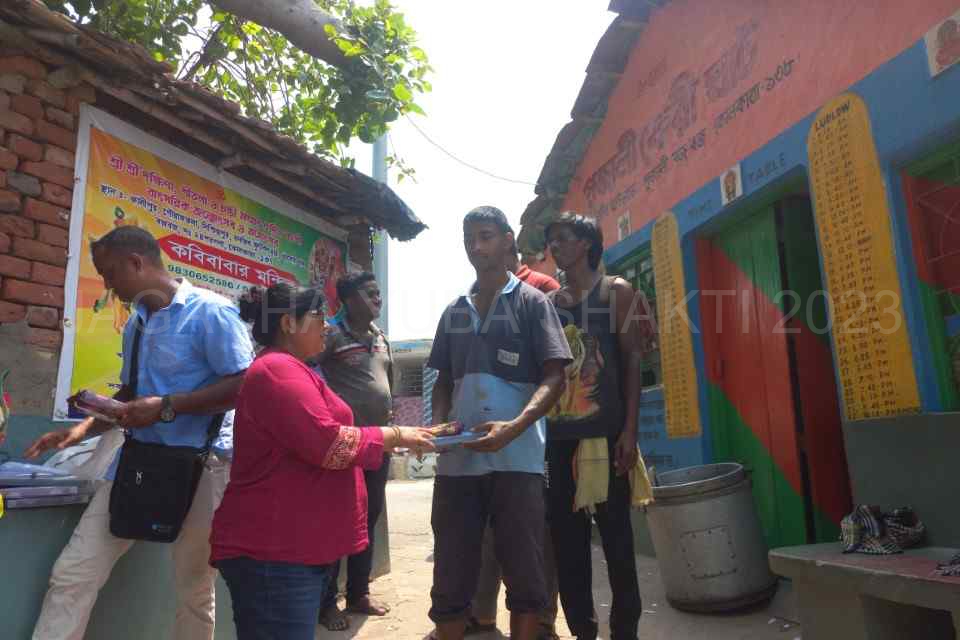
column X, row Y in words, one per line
column 214, row 229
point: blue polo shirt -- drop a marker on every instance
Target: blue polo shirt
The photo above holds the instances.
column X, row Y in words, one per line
column 192, row 343
column 496, row 364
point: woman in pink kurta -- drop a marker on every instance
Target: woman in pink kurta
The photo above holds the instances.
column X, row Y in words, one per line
column 296, row 501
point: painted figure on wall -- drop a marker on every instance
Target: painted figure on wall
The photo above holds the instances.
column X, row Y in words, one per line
column 326, row 267
column 730, row 185
column 581, row 395
column 948, row 43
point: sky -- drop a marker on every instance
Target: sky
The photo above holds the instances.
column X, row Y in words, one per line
column 506, row 74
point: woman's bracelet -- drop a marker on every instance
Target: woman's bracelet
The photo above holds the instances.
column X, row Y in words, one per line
column 396, row 431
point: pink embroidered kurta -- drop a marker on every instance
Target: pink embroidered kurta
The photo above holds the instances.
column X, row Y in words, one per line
column 296, row 491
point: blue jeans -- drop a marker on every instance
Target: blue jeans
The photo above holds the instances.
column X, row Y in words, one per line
column 275, row 600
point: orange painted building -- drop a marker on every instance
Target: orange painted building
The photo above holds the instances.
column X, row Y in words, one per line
column 785, row 174
column 694, row 61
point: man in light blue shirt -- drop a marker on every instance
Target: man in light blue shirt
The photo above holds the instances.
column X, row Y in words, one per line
column 188, row 345
column 193, row 351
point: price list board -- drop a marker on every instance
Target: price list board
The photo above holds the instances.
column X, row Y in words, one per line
column 870, row 338
column 676, row 343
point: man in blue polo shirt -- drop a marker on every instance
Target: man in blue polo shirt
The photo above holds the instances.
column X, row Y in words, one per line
column 193, row 351
column 500, row 352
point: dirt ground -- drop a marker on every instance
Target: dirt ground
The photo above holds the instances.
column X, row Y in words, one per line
column 407, row 590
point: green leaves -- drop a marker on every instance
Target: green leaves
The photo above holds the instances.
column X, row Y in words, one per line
column 251, row 28
column 349, row 47
column 322, row 106
column 402, row 93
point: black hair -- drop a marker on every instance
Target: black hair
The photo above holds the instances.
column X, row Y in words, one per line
column 488, row 214
column 265, row 307
column 350, row 283
column 128, row 239
column 585, row 229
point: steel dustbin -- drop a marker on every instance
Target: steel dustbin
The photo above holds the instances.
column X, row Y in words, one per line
column 708, row 540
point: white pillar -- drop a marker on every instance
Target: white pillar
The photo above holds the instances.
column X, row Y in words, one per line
column 381, row 241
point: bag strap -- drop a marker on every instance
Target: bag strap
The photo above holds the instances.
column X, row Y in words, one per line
column 390, row 357
column 135, row 355
column 213, row 431
column 215, row 423
column 134, row 363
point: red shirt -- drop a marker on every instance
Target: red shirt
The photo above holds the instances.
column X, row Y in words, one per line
column 296, row 491
column 536, row 279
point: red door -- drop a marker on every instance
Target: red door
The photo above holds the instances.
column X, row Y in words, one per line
column 770, row 389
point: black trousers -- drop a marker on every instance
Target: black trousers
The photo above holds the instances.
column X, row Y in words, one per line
column 571, row 545
column 360, row 565
column 512, row 503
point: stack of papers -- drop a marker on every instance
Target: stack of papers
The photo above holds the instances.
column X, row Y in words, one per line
column 444, row 442
column 26, row 485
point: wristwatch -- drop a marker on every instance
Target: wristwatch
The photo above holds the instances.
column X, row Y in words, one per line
column 167, row 414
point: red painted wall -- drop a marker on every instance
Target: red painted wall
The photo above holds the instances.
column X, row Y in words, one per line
column 765, row 65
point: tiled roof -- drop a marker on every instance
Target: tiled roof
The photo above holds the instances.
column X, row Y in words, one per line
column 602, row 75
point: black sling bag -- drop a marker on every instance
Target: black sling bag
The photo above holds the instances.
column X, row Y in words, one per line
column 155, row 483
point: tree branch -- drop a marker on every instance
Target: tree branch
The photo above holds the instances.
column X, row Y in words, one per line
column 206, row 53
column 302, row 22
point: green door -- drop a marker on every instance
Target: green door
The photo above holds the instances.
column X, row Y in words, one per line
column 752, row 414
column 772, row 386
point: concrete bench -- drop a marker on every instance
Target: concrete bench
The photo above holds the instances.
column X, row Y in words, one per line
column 862, row 597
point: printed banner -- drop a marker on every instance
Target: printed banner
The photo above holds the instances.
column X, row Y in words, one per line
column 943, row 45
column 215, row 230
column 873, row 353
column 676, row 343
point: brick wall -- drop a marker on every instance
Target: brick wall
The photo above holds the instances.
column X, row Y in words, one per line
column 38, row 123
column 38, row 140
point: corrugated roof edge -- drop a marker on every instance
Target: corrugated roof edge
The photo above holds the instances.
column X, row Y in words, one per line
column 603, row 73
column 127, row 72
